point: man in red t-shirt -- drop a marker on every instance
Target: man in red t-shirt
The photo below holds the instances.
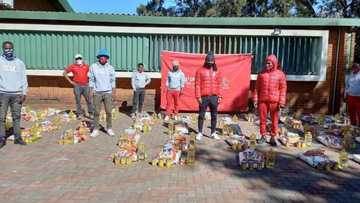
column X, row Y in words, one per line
column 80, row 81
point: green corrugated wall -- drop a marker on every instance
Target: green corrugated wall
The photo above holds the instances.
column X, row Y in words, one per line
column 55, row 50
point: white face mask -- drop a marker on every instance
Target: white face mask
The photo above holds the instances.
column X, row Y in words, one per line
column 79, row 61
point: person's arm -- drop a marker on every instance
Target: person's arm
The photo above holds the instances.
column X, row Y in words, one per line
column 133, row 81
column 112, row 77
column 256, row 90
column 282, row 89
column 220, row 82
column 197, row 86
column 65, row 73
column 182, row 82
column 147, row 79
column 92, row 79
column 24, row 85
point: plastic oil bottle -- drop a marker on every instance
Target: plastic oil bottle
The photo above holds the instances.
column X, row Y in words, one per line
column 253, row 140
column 235, row 119
column 171, row 128
column 270, row 158
column 141, row 152
column 308, row 139
column 190, row 159
column 343, row 158
column 146, row 127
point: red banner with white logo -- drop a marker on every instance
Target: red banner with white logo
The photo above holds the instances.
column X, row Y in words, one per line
column 236, row 69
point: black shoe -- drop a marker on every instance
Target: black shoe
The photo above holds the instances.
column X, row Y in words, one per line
column 273, row 142
column 19, row 141
column 2, row 143
column 262, row 140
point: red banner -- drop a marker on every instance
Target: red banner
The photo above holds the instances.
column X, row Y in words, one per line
column 236, row 69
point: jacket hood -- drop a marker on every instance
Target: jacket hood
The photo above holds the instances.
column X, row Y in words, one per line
column 273, row 60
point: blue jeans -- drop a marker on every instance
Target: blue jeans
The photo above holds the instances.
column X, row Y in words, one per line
column 14, row 101
column 83, row 90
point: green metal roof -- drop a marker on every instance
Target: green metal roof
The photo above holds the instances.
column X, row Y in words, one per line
column 179, row 21
column 65, row 4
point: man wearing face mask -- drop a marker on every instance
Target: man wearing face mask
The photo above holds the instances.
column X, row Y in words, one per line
column 13, row 87
column 80, row 81
column 139, row 80
column 102, row 82
column 208, row 92
column 270, row 96
column 352, row 94
column 175, row 83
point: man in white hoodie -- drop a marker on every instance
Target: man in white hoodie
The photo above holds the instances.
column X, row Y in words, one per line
column 175, row 83
column 13, row 87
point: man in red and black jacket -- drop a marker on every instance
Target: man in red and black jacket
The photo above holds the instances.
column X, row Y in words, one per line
column 270, row 96
column 208, row 92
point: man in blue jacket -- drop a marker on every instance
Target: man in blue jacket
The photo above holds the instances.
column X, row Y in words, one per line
column 13, row 87
column 102, row 83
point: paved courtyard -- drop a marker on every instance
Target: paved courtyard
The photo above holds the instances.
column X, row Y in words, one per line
column 48, row 172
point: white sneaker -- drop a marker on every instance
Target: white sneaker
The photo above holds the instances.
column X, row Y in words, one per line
column 94, row 133
column 176, row 118
column 110, row 132
column 199, row 136
column 166, row 118
column 215, row 136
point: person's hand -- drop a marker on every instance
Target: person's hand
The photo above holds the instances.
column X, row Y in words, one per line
column 255, row 105
column 73, row 83
column 281, row 106
column 219, row 100
column 199, row 100
column 23, row 98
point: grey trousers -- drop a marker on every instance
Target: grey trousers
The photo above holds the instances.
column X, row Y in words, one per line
column 99, row 98
column 84, row 91
column 138, row 100
column 14, row 102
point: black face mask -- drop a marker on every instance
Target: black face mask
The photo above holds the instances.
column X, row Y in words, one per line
column 209, row 65
column 175, row 68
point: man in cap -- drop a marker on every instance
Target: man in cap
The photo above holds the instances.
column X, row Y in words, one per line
column 13, row 87
column 208, row 92
column 102, row 82
column 175, row 83
column 80, row 82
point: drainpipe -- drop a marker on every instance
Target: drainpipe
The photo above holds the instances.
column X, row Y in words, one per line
column 336, row 72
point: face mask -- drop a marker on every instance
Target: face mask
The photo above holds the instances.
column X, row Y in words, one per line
column 356, row 70
column 103, row 60
column 269, row 66
column 8, row 54
column 209, row 64
column 79, row 61
column 175, row 68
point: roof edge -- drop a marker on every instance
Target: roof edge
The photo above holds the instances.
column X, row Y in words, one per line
column 179, row 21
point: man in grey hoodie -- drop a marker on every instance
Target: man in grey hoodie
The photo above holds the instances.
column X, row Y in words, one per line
column 139, row 80
column 13, row 87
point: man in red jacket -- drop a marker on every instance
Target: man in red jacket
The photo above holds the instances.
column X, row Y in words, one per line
column 270, row 96
column 208, row 89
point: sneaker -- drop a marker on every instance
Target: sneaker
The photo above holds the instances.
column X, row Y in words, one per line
column 133, row 115
column 273, row 142
column 215, row 136
column 94, row 133
column 19, row 141
column 199, row 136
column 262, row 140
column 166, row 118
column 176, row 118
column 110, row 132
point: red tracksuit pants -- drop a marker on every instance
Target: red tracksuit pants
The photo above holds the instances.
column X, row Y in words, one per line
column 354, row 109
column 172, row 98
column 273, row 108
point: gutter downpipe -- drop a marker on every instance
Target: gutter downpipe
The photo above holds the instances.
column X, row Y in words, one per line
column 336, row 72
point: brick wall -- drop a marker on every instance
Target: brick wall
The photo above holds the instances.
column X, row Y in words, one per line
column 302, row 96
